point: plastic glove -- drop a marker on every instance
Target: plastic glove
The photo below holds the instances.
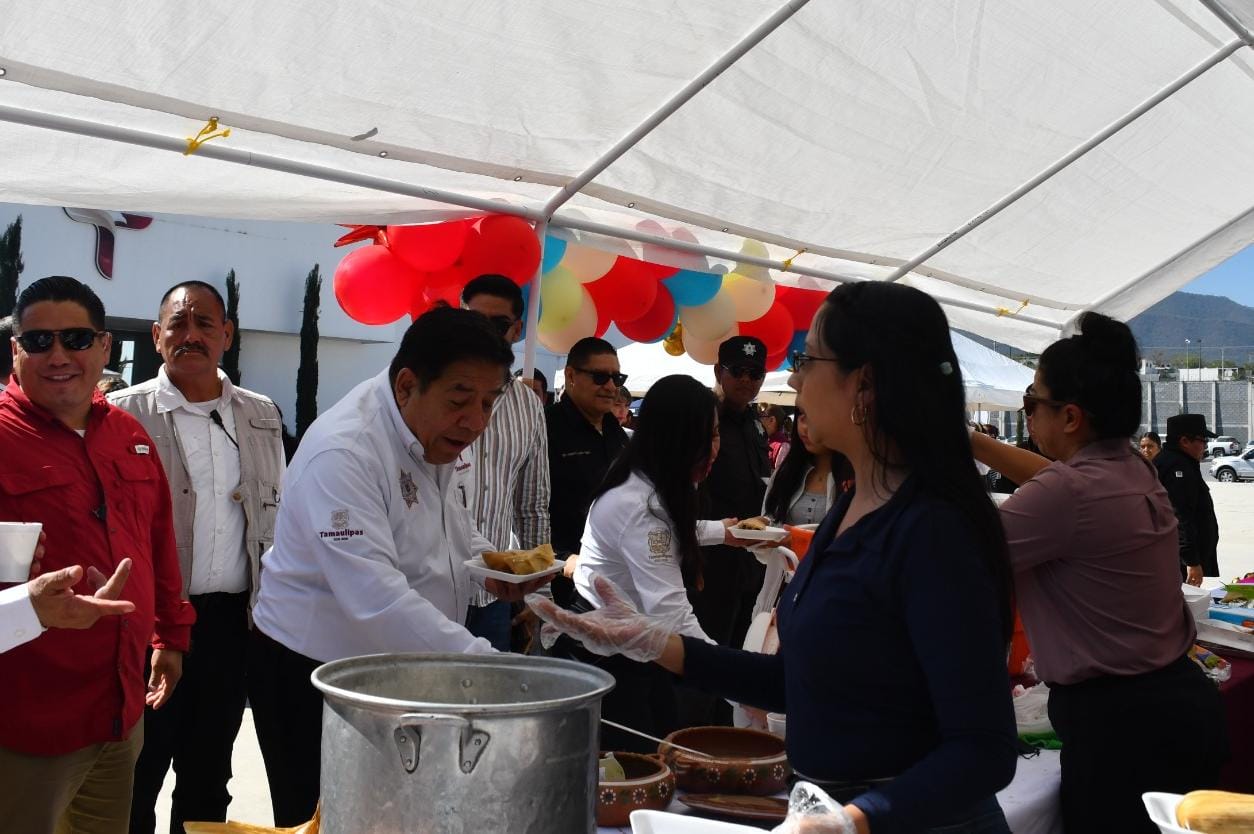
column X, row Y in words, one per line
column 615, row 628
column 811, row 811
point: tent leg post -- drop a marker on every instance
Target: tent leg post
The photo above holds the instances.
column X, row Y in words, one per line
column 533, row 307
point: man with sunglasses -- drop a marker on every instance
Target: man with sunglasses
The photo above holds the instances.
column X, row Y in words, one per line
column 90, row 473
column 505, row 472
column 734, row 489
column 222, row 449
column 584, row 437
column 1180, row 471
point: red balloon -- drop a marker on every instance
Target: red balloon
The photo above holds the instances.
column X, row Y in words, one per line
column 418, row 303
column 374, row 286
column 627, row 291
column 603, row 323
column 502, row 244
column 801, row 303
column 775, row 329
column 775, row 361
column 447, row 294
column 654, row 325
column 430, row 247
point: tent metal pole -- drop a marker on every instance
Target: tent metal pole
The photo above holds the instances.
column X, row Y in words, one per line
column 679, row 99
column 579, row 224
column 533, row 307
column 225, row 153
column 1110, row 130
column 1229, row 20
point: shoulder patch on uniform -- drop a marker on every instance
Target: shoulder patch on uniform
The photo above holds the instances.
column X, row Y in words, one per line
column 660, row 543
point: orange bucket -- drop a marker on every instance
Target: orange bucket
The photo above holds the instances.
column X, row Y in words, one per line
column 800, row 540
column 1019, row 648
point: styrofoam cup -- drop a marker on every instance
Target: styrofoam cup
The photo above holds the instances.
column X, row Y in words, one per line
column 17, row 549
column 775, row 722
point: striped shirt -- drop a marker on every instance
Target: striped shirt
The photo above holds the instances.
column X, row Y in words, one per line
column 505, row 475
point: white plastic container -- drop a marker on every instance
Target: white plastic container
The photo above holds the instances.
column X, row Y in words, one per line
column 1162, row 811
column 776, row 723
column 1198, row 601
column 660, row 822
column 17, row 549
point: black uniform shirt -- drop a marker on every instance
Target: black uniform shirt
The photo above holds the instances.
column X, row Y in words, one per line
column 735, row 487
column 1181, row 475
column 579, row 456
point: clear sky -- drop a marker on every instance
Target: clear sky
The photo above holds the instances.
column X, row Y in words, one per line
column 1233, row 278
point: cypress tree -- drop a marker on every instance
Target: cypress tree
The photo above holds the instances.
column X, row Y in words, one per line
column 307, row 374
column 230, row 359
column 11, row 266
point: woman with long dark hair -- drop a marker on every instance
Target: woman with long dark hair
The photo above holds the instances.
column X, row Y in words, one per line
column 1095, row 553
column 773, row 421
column 644, row 535
column 807, row 480
column 911, row 563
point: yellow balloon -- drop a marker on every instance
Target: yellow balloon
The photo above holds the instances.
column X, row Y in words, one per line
column 759, row 273
column 750, row 297
column 582, row 325
column 710, row 319
column 587, row 264
column 560, row 296
column 705, row 351
column 674, row 343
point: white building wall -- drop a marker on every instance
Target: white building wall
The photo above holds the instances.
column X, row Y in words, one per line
column 270, row 261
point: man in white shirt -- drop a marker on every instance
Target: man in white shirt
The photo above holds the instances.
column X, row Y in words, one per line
column 371, row 542
column 507, row 469
column 222, row 450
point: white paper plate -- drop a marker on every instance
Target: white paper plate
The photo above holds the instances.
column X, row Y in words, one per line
column 479, row 572
column 770, row 534
column 1162, row 811
column 660, row 822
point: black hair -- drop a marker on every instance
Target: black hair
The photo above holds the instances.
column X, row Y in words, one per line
column 444, row 335
column 1097, row 370
column 187, row 285
column 6, row 350
column 60, row 288
column 1153, row 435
column 537, row 375
column 674, row 431
column 902, row 336
column 497, row 286
column 585, row 349
column 791, row 474
column 778, row 413
column 623, row 395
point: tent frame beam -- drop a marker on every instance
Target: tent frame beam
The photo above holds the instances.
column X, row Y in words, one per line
column 1227, row 18
column 1217, row 57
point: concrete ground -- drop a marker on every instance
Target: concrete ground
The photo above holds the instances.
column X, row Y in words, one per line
column 1234, row 506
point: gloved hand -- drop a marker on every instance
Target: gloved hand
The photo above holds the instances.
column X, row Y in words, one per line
column 615, row 628
column 811, row 811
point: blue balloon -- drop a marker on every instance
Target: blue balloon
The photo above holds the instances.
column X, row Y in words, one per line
column 797, row 345
column 554, row 249
column 692, row 289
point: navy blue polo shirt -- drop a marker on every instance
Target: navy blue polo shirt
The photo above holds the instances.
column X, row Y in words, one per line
column 892, row 664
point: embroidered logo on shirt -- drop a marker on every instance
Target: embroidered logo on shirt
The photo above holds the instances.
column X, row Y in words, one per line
column 660, row 544
column 409, row 490
column 339, row 527
column 141, row 449
column 1179, row 474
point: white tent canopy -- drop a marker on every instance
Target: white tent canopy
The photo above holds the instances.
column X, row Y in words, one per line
column 992, row 381
column 1020, row 161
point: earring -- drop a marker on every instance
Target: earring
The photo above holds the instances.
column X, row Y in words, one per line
column 857, row 415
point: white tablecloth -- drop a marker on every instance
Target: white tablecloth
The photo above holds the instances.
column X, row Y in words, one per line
column 1031, row 801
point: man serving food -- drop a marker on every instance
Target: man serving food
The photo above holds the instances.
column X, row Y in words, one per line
column 372, row 537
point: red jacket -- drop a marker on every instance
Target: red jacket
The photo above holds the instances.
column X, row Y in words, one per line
column 101, row 498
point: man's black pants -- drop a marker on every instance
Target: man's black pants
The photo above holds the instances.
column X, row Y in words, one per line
column 196, row 728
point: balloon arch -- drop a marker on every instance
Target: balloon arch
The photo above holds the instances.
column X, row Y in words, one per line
column 583, row 289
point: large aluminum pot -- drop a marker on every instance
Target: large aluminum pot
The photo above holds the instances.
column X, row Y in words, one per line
column 459, row 744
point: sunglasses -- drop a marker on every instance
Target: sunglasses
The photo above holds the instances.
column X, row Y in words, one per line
column 502, row 323
column 602, row 377
column 72, row 338
column 800, row 359
column 1031, row 401
column 746, row 371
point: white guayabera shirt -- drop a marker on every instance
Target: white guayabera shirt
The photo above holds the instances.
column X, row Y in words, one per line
column 370, row 543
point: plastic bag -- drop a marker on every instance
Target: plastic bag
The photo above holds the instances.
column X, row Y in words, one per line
column 1032, row 709
column 811, row 811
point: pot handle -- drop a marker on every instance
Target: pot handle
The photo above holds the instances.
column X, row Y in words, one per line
column 408, row 736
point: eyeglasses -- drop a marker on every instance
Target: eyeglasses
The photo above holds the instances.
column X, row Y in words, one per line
column 71, row 338
column 602, row 377
column 800, row 359
column 742, row 371
column 1031, row 401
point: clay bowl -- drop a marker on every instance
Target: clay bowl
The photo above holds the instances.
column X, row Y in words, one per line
column 650, row 785
column 740, row 761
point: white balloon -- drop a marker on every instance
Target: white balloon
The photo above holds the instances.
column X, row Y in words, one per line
column 710, row 319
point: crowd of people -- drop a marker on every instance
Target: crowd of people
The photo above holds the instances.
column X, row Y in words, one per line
column 187, row 568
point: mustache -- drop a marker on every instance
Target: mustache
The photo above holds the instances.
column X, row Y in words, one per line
column 191, row 348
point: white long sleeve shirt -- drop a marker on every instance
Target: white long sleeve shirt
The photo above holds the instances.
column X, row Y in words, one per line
column 18, row 622
column 629, row 540
column 370, row 542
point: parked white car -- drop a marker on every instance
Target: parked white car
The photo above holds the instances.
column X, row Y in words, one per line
column 1223, row 445
column 1231, row 468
